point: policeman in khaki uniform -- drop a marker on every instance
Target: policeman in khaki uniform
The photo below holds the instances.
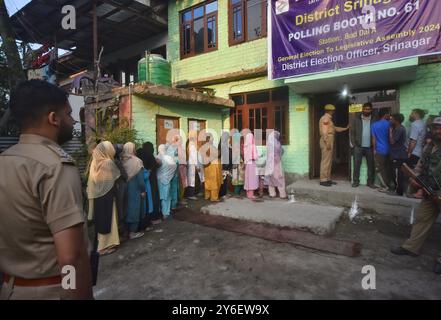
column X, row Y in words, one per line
column 42, row 225
column 427, row 213
column 327, row 133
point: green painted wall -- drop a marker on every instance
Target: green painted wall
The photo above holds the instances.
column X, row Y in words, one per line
column 232, row 59
column 145, row 111
column 296, row 157
column 224, row 60
column 424, row 92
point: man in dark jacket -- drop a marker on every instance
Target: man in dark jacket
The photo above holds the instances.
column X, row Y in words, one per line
column 362, row 145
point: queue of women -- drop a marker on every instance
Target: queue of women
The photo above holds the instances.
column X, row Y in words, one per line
column 130, row 190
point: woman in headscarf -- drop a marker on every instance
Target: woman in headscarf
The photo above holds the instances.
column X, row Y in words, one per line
column 147, row 202
column 121, row 188
column 238, row 171
column 274, row 176
column 166, row 172
column 182, row 166
column 152, row 164
column 224, row 149
column 136, row 189
column 193, row 165
column 212, row 171
column 251, row 174
column 103, row 174
column 172, row 151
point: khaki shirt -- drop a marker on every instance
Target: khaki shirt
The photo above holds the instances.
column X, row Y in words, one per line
column 327, row 127
column 40, row 195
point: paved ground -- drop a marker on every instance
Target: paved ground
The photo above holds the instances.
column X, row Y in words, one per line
column 187, row 261
column 319, row 219
column 398, row 208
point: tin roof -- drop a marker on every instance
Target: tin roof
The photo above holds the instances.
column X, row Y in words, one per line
column 120, row 23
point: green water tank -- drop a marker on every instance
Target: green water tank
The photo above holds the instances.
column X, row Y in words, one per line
column 155, row 69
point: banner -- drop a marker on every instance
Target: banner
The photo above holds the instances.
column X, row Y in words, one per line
column 311, row 36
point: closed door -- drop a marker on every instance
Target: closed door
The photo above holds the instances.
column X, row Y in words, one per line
column 198, row 126
column 163, row 126
column 315, row 112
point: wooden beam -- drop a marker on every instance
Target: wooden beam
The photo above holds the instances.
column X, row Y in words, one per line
column 272, row 233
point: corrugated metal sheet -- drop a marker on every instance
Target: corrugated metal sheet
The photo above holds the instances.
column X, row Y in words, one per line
column 70, row 147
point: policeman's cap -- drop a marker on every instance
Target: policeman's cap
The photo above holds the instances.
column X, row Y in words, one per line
column 329, row 107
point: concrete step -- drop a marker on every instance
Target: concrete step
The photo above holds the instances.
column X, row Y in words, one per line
column 343, row 195
column 318, row 219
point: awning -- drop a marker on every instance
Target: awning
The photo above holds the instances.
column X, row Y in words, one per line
column 172, row 94
column 373, row 76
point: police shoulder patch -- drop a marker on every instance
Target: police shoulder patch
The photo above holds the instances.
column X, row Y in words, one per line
column 64, row 156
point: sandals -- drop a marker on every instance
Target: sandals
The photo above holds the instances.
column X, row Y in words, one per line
column 106, row 252
column 133, row 236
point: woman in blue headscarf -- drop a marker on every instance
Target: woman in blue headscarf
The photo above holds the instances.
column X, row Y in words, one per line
column 166, row 173
column 136, row 189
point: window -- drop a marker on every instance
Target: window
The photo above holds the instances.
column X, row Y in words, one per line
column 247, row 20
column 199, row 29
column 262, row 110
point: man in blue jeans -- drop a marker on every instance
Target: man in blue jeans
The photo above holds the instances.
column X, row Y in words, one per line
column 381, row 148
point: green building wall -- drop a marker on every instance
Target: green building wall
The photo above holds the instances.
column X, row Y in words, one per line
column 144, row 112
column 228, row 59
column 424, row 92
column 224, row 60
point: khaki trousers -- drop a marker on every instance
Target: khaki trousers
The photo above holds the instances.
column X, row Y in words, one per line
column 326, row 162
column 11, row 292
column 426, row 216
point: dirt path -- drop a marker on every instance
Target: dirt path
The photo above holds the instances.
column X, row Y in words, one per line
column 180, row 260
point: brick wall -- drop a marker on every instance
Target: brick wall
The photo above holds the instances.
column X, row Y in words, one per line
column 423, row 92
column 224, row 60
column 228, row 59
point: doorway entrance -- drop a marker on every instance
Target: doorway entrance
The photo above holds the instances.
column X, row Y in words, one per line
column 341, row 159
column 346, row 109
column 163, row 125
column 198, row 126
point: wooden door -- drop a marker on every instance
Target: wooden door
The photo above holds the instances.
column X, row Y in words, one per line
column 163, row 125
column 315, row 112
column 198, row 125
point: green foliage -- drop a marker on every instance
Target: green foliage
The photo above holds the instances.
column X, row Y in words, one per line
column 82, row 158
column 11, row 128
column 117, row 133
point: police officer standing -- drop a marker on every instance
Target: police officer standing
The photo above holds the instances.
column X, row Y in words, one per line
column 428, row 167
column 327, row 133
column 43, row 238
